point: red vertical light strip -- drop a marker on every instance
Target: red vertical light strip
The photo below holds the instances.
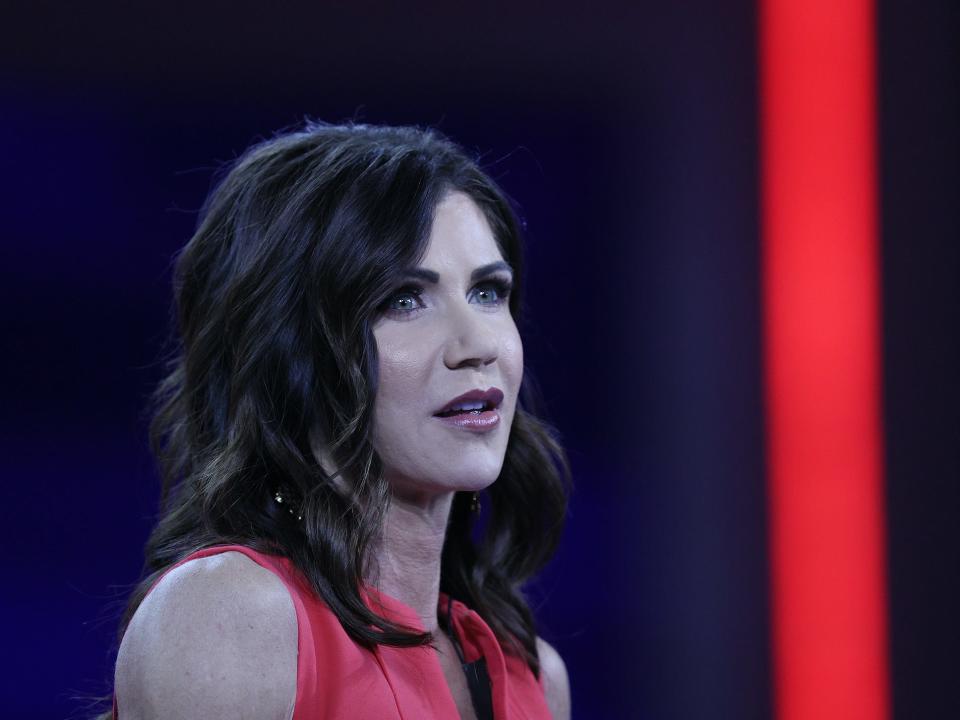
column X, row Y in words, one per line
column 822, row 364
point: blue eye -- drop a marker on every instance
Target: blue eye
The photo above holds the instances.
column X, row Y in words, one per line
column 404, row 300
column 492, row 292
column 407, row 301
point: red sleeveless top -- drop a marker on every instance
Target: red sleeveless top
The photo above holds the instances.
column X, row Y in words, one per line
column 337, row 679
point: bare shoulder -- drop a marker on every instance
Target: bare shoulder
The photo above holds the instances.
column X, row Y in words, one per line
column 556, row 684
column 216, row 638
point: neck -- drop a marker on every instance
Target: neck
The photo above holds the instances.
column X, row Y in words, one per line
column 406, row 559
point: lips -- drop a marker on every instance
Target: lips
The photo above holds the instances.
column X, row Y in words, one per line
column 474, row 401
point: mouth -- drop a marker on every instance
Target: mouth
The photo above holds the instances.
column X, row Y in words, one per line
column 474, row 402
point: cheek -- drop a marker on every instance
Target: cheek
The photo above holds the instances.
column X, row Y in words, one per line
column 512, row 358
column 399, row 377
column 402, row 387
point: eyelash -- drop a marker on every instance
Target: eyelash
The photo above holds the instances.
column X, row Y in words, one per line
column 502, row 288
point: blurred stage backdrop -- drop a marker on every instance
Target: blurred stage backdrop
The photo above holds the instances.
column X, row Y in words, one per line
column 629, row 136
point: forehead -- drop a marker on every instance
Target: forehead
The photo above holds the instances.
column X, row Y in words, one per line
column 460, row 236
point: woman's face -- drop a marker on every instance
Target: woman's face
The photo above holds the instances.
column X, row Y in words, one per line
column 447, row 332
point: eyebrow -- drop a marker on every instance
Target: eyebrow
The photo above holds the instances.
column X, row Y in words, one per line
column 432, row 276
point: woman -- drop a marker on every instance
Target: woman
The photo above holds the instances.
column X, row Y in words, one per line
column 347, row 382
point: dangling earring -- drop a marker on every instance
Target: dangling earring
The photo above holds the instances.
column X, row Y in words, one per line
column 475, row 503
column 280, row 501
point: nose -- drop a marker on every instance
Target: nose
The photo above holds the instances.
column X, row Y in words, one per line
column 472, row 339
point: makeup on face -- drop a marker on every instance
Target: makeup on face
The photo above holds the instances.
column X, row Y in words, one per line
column 475, row 410
column 450, row 359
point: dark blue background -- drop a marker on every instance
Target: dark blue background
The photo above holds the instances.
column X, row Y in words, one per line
column 628, row 135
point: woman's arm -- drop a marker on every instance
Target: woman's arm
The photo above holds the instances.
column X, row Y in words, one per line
column 556, row 685
column 216, row 638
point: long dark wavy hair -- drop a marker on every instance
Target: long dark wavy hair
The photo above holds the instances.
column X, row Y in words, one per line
column 296, row 251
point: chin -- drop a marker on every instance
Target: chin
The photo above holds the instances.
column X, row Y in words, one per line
column 468, row 476
column 454, row 469
column 475, row 483
column 476, row 473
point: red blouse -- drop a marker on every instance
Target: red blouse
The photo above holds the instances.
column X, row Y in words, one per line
column 339, row 679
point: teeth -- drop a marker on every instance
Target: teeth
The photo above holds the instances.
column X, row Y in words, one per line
column 469, row 406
